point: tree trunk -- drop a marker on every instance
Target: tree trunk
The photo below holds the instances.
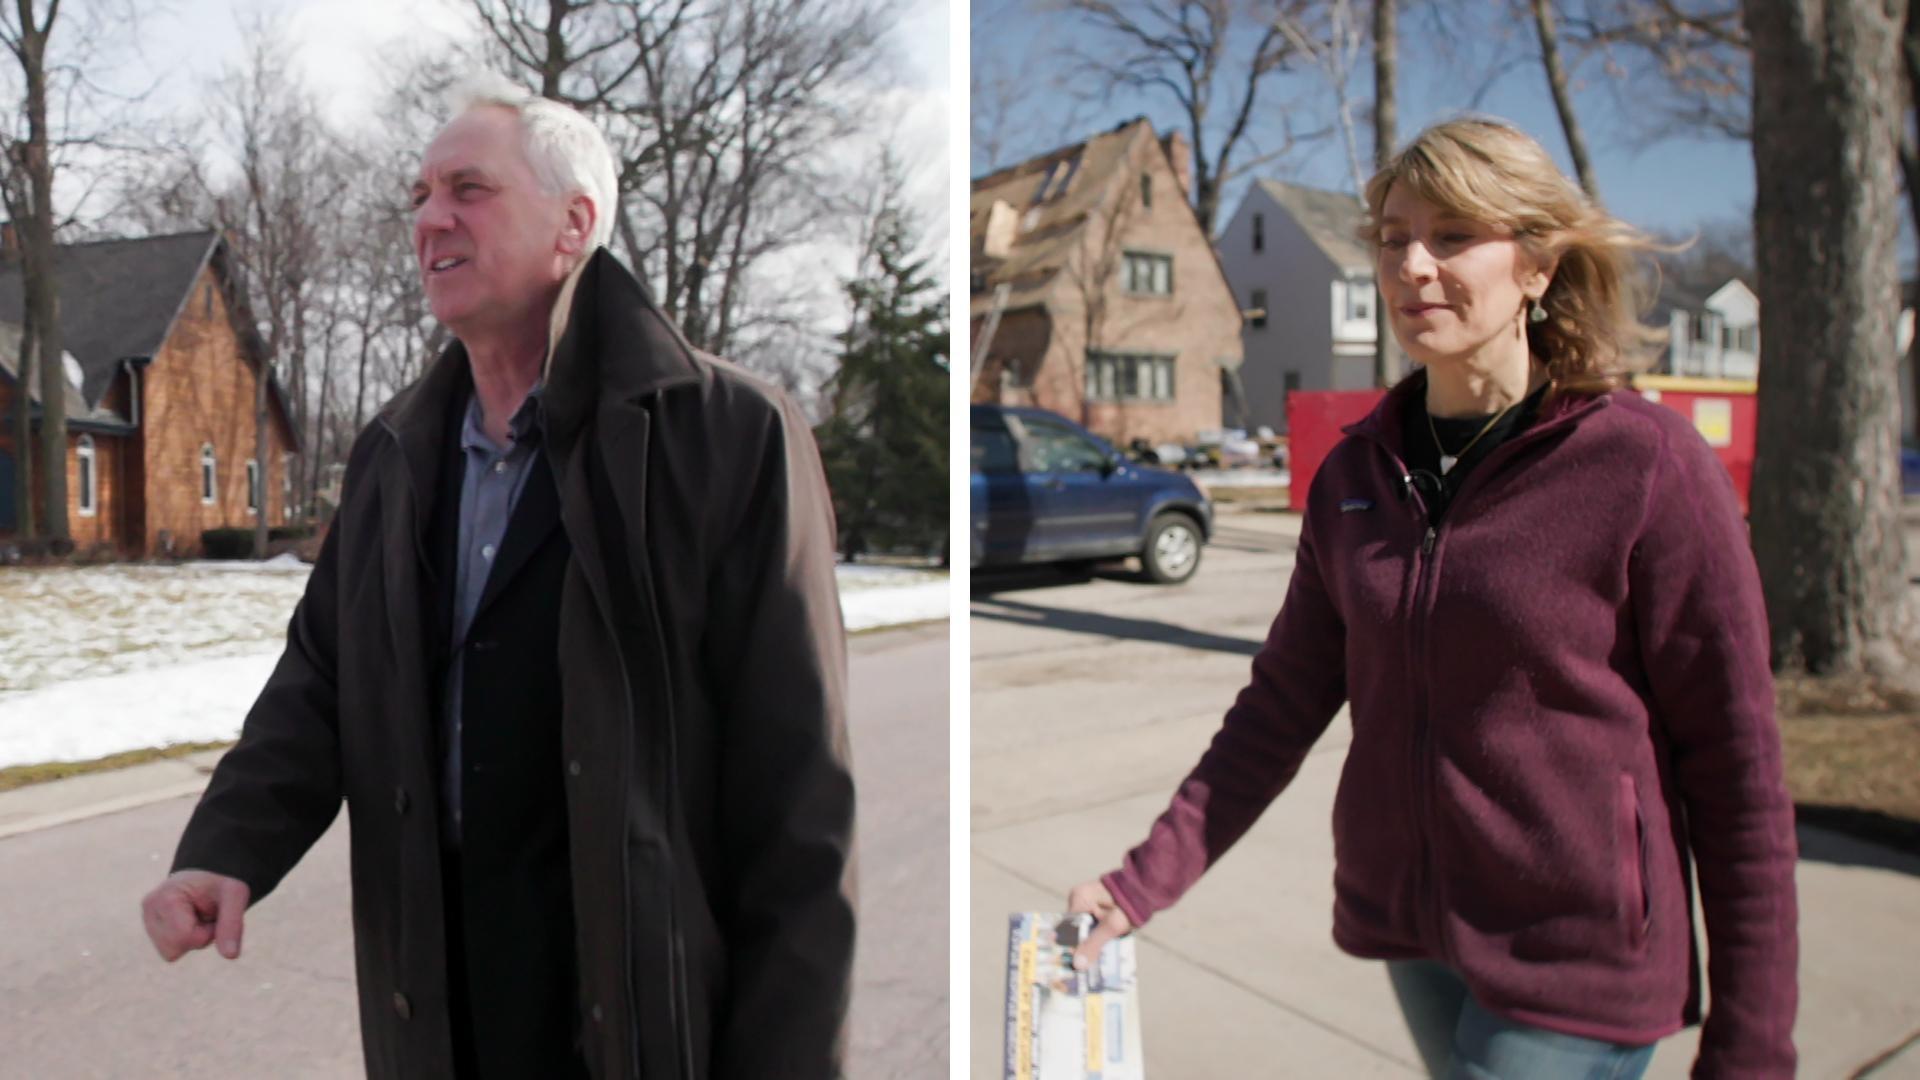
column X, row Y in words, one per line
column 1386, row 118
column 1910, row 174
column 43, row 297
column 1826, row 486
column 24, row 514
column 261, row 422
column 1562, row 103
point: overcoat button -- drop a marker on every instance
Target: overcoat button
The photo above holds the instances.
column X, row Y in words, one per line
column 399, row 800
column 402, row 1006
column 573, row 768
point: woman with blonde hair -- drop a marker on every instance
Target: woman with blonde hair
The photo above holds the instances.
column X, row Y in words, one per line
column 1536, row 593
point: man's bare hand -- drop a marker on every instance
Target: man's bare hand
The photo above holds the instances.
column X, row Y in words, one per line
column 193, row 909
column 1109, row 921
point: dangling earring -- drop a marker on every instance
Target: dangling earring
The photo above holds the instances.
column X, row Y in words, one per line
column 1536, row 313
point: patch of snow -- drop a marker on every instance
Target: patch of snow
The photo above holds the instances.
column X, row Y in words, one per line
column 864, row 576
column 1210, row 478
column 868, row 609
column 98, row 660
column 106, row 714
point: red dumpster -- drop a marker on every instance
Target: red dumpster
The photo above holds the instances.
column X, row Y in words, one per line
column 1722, row 410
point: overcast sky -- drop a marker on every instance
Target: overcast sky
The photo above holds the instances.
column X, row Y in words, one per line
column 337, row 44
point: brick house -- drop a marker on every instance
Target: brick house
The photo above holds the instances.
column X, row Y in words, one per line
column 1115, row 312
column 161, row 363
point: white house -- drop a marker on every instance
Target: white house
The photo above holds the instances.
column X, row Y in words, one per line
column 1295, row 261
column 1715, row 336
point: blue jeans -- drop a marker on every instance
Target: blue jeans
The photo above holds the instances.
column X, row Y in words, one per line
column 1459, row 1040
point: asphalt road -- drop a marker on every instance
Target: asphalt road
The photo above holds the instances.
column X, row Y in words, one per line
column 82, row 993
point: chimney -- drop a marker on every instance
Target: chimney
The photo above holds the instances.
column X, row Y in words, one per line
column 1001, row 226
column 1175, row 145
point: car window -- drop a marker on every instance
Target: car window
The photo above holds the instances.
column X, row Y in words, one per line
column 994, row 451
column 1053, row 448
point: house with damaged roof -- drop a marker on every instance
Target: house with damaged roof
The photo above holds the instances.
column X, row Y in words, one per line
column 161, row 367
column 1095, row 291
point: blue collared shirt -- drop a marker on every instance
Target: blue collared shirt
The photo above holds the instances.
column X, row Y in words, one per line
column 489, row 490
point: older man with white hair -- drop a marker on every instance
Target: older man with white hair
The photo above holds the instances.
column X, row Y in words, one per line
column 572, row 655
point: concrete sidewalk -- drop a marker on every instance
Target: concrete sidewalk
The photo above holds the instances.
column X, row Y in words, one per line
column 1243, row 971
column 1094, row 707
column 76, row 798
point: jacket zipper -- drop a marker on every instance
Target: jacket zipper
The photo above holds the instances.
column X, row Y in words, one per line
column 1427, row 904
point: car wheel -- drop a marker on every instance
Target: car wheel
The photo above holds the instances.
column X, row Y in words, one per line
column 1172, row 550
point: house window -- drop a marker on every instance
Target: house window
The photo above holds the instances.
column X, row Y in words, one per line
column 286, row 487
column 1146, row 191
column 1258, row 302
column 1127, row 377
column 1014, row 374
column 253, row 486
column 1289, row 383
column 1148, row 274
column 1359, row 301
column 89, row 477
column 1259, row 232
column 206, row 474
column 1702, row 329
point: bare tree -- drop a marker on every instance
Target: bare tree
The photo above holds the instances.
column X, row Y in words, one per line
column 1386, row 121
column 13, row 185
column 1825, row 501
column 1186, row 50
column 25, row 33
column 719, row 111
column 289, row 175
column 1698, row 49
column 1331, row 36
column 1543, row 26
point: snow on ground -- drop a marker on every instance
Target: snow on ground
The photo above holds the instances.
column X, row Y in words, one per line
column 1211, row 478
column 97, row 660
column 58, row 624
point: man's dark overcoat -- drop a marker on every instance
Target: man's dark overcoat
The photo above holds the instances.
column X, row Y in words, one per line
column 702, row 657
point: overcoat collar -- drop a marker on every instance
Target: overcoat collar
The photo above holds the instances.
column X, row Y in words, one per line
column 616, row 347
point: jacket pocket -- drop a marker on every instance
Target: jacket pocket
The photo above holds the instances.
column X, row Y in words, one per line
column 1631, row 832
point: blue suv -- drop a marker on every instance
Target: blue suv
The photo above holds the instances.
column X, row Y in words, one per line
column 1046, row 490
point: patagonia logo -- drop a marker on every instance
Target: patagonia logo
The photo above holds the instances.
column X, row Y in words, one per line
column 1348, row 506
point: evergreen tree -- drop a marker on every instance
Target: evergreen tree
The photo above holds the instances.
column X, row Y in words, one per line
column 885, row 442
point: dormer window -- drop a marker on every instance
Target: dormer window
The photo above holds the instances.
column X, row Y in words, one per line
column 1054, row 184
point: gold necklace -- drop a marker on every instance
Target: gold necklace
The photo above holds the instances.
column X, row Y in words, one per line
column 1448, row 461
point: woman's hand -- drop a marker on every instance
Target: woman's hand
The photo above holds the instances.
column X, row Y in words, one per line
column 1109, row 921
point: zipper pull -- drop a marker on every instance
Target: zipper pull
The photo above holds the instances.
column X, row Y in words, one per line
column 1426, row 546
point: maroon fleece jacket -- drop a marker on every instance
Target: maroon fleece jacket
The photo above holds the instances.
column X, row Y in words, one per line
column 1559, row 696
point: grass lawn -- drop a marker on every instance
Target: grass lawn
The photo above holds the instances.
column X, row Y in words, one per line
column 1853, row 758
column 17, row 776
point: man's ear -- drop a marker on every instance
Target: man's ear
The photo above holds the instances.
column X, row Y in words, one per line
column 581, row 216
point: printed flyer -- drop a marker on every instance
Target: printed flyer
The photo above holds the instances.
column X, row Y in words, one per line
column 1064, row 1024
